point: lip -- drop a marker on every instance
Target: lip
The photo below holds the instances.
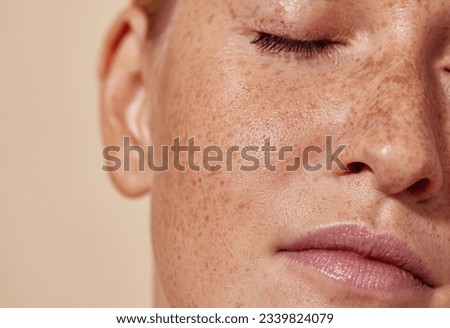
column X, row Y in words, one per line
column 355, row 257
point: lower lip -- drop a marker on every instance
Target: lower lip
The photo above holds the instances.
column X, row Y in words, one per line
column 353, row 270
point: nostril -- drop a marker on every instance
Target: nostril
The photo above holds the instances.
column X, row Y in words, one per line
column 355, row 167
column 420, row 186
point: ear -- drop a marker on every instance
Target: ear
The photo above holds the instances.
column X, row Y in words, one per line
column 123, row 100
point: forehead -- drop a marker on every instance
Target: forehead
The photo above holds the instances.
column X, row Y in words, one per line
column 296, row 5
column 368, row 14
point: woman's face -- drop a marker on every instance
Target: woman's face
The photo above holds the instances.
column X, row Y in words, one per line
column 374, row 76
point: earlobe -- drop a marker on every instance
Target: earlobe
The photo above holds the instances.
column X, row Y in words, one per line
column 123, row 99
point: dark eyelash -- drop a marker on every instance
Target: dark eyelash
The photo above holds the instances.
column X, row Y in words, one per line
column 308, row 49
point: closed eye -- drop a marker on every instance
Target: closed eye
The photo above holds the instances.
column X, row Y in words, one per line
column 307, row 49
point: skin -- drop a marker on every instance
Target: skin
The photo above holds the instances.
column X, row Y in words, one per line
column 191, row 70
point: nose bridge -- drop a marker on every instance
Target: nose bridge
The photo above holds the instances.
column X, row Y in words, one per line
column 404, row 90
column 403, row 104
column 396, row 137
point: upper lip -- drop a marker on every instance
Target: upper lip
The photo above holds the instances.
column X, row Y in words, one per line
column 359, row 240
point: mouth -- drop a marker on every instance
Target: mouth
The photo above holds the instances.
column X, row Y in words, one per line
column 357, row 258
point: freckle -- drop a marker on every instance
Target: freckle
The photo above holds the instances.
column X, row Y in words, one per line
column 210, row 18
column 207, row 218
column 279, row 72
column 233, row 13
column 242, row 205
column 265, row 65
column 369, row 63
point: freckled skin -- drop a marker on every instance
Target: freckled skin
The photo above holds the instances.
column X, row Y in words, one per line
column 385, row 94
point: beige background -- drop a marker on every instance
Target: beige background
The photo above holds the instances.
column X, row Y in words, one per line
column 67, row 239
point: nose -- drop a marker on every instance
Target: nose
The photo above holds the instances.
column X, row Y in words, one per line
column 393, row 137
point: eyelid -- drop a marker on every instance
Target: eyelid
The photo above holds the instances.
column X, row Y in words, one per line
column 306, row 48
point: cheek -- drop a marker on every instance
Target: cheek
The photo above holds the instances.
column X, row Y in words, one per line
column 198, row 236
column 203, row 223
column 208, row 228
